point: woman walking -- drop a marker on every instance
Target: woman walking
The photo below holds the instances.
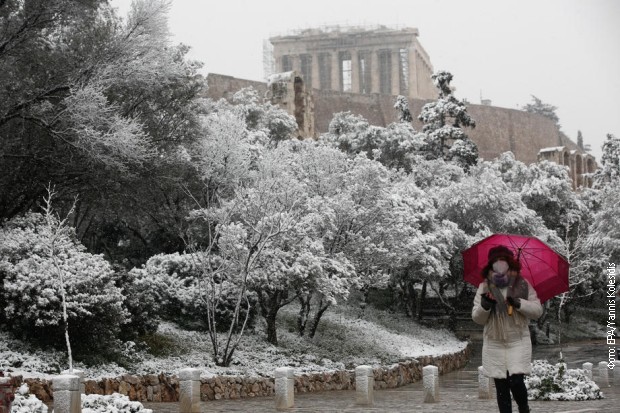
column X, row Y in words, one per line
column 504, row 304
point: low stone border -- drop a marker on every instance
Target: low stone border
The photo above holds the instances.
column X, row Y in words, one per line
column 163, row 388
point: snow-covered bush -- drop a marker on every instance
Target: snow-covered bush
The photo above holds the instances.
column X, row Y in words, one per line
column 179, row 282
column 31, row 292
column 114, row 403
column 27, row 403
column 140, row 301
column 556, row 382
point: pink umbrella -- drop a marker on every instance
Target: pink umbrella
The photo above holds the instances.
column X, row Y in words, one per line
column 545, row 269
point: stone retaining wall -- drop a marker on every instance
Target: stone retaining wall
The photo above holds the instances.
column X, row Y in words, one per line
column 163, row 388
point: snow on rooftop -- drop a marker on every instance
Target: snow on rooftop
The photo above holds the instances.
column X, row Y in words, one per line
column 552, row 149
column 279, row 77
column 345, row 28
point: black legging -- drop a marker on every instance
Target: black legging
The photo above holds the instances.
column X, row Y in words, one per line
column 515, row 384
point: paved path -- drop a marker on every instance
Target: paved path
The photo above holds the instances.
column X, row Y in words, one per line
column 458, row 393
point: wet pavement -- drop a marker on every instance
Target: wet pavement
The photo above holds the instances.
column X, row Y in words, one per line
column 458, row 392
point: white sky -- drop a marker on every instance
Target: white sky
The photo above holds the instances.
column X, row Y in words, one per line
column 565, row 52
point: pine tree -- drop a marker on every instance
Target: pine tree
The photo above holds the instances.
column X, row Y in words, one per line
column 402, row 106
column 543, row 109
column 443, row 121
column 580, row 140
column 609, row 173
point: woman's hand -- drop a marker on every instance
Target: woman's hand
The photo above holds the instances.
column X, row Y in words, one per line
column 487, row 302
column 515, row 302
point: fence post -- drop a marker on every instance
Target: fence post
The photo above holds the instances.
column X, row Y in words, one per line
column 67, row 398
column 189, row 390
column 603, row 374
column 285, row 388
column 80, row 374
column 617, row 373
column 587, row 367
column 430, row 375
column 484, row 385
column 364, row 385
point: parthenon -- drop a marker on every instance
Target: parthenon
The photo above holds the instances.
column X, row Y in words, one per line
column 361, row 60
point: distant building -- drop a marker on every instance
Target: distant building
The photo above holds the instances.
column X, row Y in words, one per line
column 581, row 165
column 360, row 60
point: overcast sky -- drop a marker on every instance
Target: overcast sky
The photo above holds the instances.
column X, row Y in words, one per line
column 565, row 52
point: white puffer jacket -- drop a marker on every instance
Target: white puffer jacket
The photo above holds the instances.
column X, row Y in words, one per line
column 512, row 354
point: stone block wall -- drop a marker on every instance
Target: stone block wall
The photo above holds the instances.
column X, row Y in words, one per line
column 497, row 129
column 163, row 388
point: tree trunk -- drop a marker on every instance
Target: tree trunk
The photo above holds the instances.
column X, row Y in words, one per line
column 411, row 303
column 317, row 318
column 304, row 311
column 420, row 303
column 272, row 334
column 269, row 302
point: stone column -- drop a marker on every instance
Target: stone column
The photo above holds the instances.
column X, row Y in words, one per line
column 395, row 57
column 355, row 71
column 364, row 385
column 296, row 62
column 189, row 390
column 374, row 71
column 603, row 374
column 430, row 376
column 587, row 367
column 316, row 77
column 484, row 385
column 336, row 71
column 414, row 87
column 67, row 398
column 285, row 388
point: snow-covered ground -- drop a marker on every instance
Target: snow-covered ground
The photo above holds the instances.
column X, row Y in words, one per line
column 344, row 339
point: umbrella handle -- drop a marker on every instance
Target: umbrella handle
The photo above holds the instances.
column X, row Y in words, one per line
column 509, row 310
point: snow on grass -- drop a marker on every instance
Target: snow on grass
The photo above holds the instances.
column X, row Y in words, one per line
column 410, row 342
column 343, row 340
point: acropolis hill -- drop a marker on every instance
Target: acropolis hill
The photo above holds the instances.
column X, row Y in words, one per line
column 320, row 72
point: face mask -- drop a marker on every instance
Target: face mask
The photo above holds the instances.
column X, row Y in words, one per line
column 500, row 280
column 500, row 267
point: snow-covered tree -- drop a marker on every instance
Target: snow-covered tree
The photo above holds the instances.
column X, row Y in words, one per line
column 481, row 204
column 609, row 172
column 402, row 106
column 224, row 155
column 97, row 106
column 47, row 273
column 604, row 234
column 545, row 187
column 246, row 231
column 298, row 263
column 179, row 285
column 393, row 146
column 443, row 121
column 265, row 118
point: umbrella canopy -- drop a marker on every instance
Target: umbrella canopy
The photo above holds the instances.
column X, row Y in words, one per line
column 545, row 269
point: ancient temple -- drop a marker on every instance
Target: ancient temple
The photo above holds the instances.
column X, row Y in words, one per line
column 360, row 60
